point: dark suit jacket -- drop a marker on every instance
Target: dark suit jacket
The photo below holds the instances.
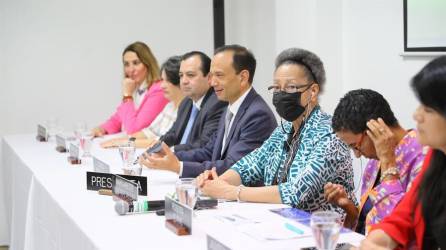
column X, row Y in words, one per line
column 204, row 127
column 252, row 125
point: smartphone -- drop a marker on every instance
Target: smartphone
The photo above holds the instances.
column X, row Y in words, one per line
column 155, row 148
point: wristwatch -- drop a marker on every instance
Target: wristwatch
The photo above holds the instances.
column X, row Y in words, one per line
column 127, row 98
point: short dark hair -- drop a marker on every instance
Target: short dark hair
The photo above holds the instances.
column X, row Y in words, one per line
column 359, row 106
column 205, row 60
column 242, row 59
column 312, row 65
column 172, row 68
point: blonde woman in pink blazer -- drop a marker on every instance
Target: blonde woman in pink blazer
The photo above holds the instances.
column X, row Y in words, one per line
column 143, row 97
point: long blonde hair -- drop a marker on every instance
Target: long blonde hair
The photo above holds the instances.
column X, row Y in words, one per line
column 147, row 58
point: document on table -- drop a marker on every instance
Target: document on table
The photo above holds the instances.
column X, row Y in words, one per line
column 276, row 230
column 266, row 226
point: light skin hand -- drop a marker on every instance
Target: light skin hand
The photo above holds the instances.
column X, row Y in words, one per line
column 385, row 142
column 218, row 188
column 203, row 177
column 377, row 240
column 128, row 86
column 113, row 143
column 98, row 132
column 164, row 161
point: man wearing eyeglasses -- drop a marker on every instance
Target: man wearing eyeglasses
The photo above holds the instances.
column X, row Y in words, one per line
column 364, row 121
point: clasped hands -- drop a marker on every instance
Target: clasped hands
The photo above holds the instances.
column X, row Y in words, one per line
column 210, row 184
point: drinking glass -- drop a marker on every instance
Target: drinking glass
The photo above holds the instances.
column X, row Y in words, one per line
column 127, row 153
column 187, row 191
column 326, row 226
column 85, row 142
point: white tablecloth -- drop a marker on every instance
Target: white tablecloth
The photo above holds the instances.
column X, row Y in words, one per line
column 46, row 204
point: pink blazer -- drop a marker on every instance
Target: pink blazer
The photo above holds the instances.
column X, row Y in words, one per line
column 133, row 120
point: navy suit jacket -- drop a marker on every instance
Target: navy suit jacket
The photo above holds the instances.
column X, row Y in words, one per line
column 252, row 125
column 204, row 127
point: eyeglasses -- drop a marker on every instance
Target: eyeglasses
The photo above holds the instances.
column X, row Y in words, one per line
column 357, row 146
column 290, row 88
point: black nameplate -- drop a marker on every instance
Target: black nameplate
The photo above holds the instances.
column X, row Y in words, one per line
column 179, row 213
column 213, row 244
column 96, row 181
column 100, row 166
column 42, row 134
column 61, row 144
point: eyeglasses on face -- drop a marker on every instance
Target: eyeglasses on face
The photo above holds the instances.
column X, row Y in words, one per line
column 289, row 88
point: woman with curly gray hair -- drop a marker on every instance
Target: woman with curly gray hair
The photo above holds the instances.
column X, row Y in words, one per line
column 301, row 155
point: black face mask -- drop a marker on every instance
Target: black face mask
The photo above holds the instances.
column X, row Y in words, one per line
column 288, row 105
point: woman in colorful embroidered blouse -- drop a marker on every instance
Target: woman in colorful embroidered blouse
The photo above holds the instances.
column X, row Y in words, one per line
column 300, row 156
column 170, row 84
column 143, row 97
column 364, row 121
column 419, row 220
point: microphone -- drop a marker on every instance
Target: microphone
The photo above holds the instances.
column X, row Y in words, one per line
column 137, row 207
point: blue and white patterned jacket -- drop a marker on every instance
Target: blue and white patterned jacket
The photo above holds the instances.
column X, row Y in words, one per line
column 321, row 157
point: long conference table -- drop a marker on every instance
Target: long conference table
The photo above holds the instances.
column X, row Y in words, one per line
column 45, row 204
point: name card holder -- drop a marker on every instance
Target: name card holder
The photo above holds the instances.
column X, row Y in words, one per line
column 74, row 155
column 178, row 217
column 42, row 134
column 61, row 145
column 124, row 189
column 100, row 166
column 213, row 244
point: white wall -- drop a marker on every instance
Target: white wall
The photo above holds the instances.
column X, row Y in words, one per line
column 372, row 43
column 62, row 59
column 360, row 43
column 251, row 23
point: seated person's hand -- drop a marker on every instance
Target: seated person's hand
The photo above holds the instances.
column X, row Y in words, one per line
column 203, row 177
column 336, row 194
column 98, row 132
column 164, row 160
column 128, row 86
column 115, row 142
column 384, row 141
column 367, row 244
column 216, row 187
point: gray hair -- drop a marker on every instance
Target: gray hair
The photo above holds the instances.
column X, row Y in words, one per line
column 313, row 66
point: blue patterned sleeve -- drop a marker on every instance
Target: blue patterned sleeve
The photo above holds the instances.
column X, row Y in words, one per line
column 321, row 166
column 251, row 168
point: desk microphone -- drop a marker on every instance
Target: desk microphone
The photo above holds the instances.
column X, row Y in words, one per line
column 138, row 207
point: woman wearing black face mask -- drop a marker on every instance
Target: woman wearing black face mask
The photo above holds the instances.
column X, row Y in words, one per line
column 301, row 155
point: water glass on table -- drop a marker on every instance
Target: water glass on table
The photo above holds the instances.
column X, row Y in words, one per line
column 85, row 141
column 127, row 153
column 187, row 191
column 326, row 226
